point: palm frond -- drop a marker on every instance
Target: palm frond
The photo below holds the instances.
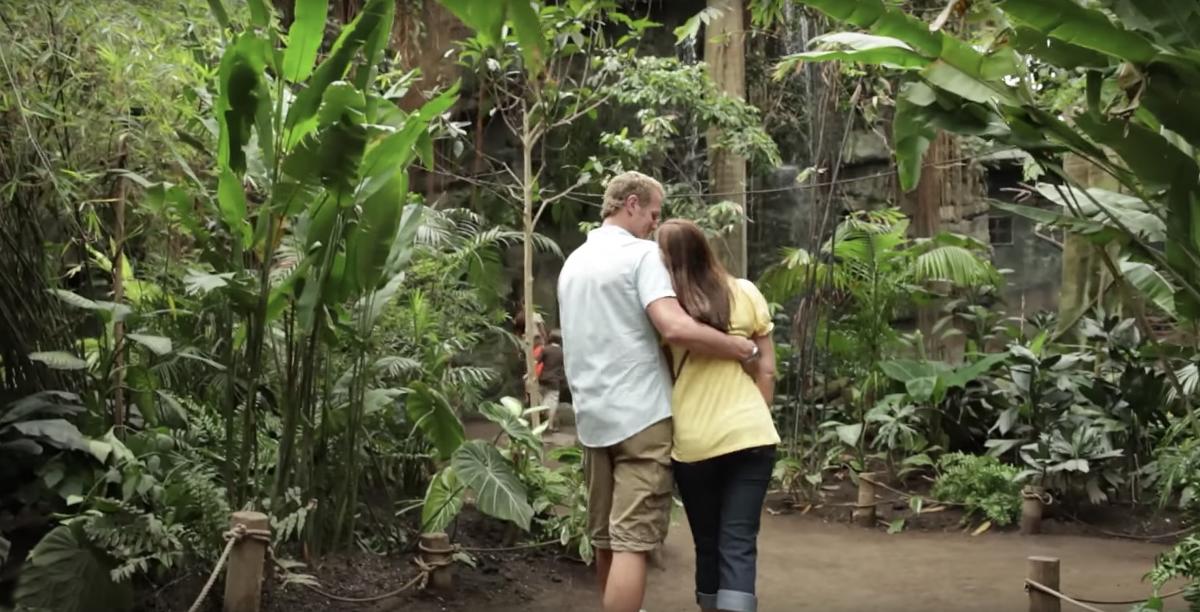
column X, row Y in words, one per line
column 954, row 264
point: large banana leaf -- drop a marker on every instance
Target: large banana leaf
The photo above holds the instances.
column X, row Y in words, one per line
column 395, row 152
column 302, row 116
column 1098, row 204
column 498, row 491
column 304, row 39
column 855, row 47
column 378, row 221
column 1168, row 22
column 1069, row 22
column 1151, row 284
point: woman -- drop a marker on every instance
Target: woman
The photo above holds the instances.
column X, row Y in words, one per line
column 724, row 435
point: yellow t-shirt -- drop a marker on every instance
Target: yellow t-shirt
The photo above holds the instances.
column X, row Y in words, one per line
column 716, row 406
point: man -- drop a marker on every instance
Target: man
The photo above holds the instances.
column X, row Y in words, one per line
column 614, row 294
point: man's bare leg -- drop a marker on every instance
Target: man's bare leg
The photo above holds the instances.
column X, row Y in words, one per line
column 604, row 559
column 626, row 585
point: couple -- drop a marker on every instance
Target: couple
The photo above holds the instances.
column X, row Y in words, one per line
column 618, row 295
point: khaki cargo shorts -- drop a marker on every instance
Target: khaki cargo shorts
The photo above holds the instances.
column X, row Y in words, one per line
column 629, row 490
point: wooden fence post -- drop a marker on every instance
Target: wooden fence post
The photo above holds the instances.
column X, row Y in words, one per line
column 244, row 572
column 864, row 511
column 1044, row 570
column 1031, row 510
column 436, row 550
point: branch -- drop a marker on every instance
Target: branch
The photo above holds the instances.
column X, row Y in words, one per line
column 552, row 199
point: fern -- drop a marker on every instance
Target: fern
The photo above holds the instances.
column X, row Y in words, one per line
column 137, row 541
column 290, row 526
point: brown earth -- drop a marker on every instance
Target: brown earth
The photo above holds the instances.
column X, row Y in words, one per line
column 811, row 558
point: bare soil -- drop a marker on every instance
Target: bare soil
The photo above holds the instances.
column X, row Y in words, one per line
column 811, row 558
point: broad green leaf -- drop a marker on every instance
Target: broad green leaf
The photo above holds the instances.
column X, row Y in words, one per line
column 528, row 28
column 967, row 373
column 1093, row 203
column 159, row 345
column 42, row 403
column 65, row 573
column 1171, row 94
column 74, row 299
column 432, row 414
column 1169, row 22
column 1152, row 285
column 401, row 250
column 690, row 29
column 378, row 400
column 198, row 282
column 231, row 200
column 58, row 360
column 498, row 491
column 394, row 153
column 171, row 412
column 260, row 13
column 855, row 47
column 1071, row 23
column 241, row 95
column 512, row 424
column 377, row 225
column 912, row 132
column 921, row 389
column 304, row 39
column 874, row 16
column 59, row 433
column 443, row 501
column 1055, row 51
column 302, row 116
column 849, row 434
column 962, row 84
column 486, row 18
column 331, row 156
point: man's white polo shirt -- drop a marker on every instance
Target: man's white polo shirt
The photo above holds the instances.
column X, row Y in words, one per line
column 611, row 351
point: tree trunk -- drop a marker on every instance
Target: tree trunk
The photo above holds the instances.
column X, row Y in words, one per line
column 118, row 283
column 725, row 55
column 1081, row 267
column 926, row 212
column 531, row 382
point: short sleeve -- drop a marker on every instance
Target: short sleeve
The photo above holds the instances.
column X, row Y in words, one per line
column 763, row 324
column 651, row 278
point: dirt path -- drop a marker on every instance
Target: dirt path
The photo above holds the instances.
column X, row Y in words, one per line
column 806, row 564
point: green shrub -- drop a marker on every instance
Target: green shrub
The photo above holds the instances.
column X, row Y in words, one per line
column 982, row 484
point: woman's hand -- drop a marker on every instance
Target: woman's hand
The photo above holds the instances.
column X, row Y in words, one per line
column 762, row 368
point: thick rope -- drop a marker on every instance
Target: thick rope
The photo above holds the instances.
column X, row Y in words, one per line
column 232, row 537
column 421, row 578
column 240, row 532
column 1033, row 584
column 1082, row 602
column 1133, row 536
column 1132, row 601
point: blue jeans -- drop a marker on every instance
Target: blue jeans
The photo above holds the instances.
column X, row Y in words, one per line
column 723, row 498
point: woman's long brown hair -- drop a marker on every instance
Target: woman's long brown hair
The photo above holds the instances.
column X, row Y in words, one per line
column 700, row 281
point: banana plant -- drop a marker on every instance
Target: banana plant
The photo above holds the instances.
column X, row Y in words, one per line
column 1141, row 65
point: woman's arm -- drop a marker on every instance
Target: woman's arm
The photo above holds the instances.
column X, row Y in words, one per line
column 763, row 368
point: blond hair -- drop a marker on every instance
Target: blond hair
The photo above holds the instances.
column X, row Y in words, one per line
column 624, row 185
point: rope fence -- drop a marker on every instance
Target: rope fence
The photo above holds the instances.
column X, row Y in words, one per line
column 248, row 546
column 1045, row 594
